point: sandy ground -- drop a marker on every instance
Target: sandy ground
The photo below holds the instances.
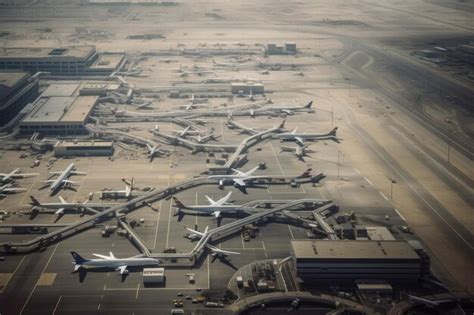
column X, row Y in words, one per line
column 351, row 86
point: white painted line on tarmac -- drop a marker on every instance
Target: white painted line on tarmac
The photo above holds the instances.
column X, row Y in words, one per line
column 291, row 232
column 264, row 250
column 57, row 304
column 14, row 271
column 368, row 181
column 383, row 195
column 36, row 284
column 399, row 214
column 138, row 289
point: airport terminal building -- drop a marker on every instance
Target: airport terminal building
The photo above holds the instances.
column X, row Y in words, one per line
column 17, row 89
column 72, row 60
column 350, row 260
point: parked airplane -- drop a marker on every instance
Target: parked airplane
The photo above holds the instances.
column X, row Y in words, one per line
column 238, row 178
column 205, row 139
column 5, row 178
column 215, row 207
column 232, row 124
column 300, row 137
column 9, row 189
column 196, row 70
column 64, row 205
column 290, row 110
column 196, row 235
column 220, row 253
column 112, row 262
column 125, row 193
column 153, row 151
column 186, row 131
column 299, row 151
column 62, row 180
column 195, row 102
column 249, row 96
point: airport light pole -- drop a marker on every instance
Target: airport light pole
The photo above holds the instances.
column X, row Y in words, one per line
column 392, row 181
column 339, row 163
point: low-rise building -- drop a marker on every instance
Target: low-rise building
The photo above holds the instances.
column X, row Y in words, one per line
column 350, row 260
column 154, row 276
column 59, row 115
column 72, row 60
column 83, row 148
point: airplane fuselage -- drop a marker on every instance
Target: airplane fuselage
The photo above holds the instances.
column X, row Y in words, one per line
column 117, row 262
column 64, row 175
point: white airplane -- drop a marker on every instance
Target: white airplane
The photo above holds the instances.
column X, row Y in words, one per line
column 196, row 70
column 125, row 193
column 220, row 253
column 299, row 151
column 249, row 96
column 112, row 262
column 196, row 235
column 232, row 124
column 186, row 131
column 205, row 139
column 64, row 205
column 300, row 137
column 5, row 178
column 238, row 178
column 153, row 150
column 290, row 110
column 195, row 102
column 9, row 189
column 62, row 179
column 215, row 207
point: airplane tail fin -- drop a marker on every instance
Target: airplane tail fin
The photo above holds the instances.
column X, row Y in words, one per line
column 78, row 260
column 178, row 204
column 34, row 201
column 282, row 125
column 306, row 173
column 308, row 106
column 333, row 132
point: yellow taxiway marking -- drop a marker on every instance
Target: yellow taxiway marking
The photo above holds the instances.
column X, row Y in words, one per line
column 46, row 279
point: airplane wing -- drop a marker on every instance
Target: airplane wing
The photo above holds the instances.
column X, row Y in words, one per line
column 55, row 173
column 69, row 182
column 62, row 199
column 237, row 172
column 248, row 173
column 219, row 251
column 224, row 199
column 78, row 173
column 239, row 182
column 14, row 189
column 102, row 256
column 194, row 231
column 122, row 269
column 59, row 211
column 299, row 140
column 22, row 175
column 217, row 214
column 150, row 148
column 49, row 181
column 112, row 255
column 210, row 200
